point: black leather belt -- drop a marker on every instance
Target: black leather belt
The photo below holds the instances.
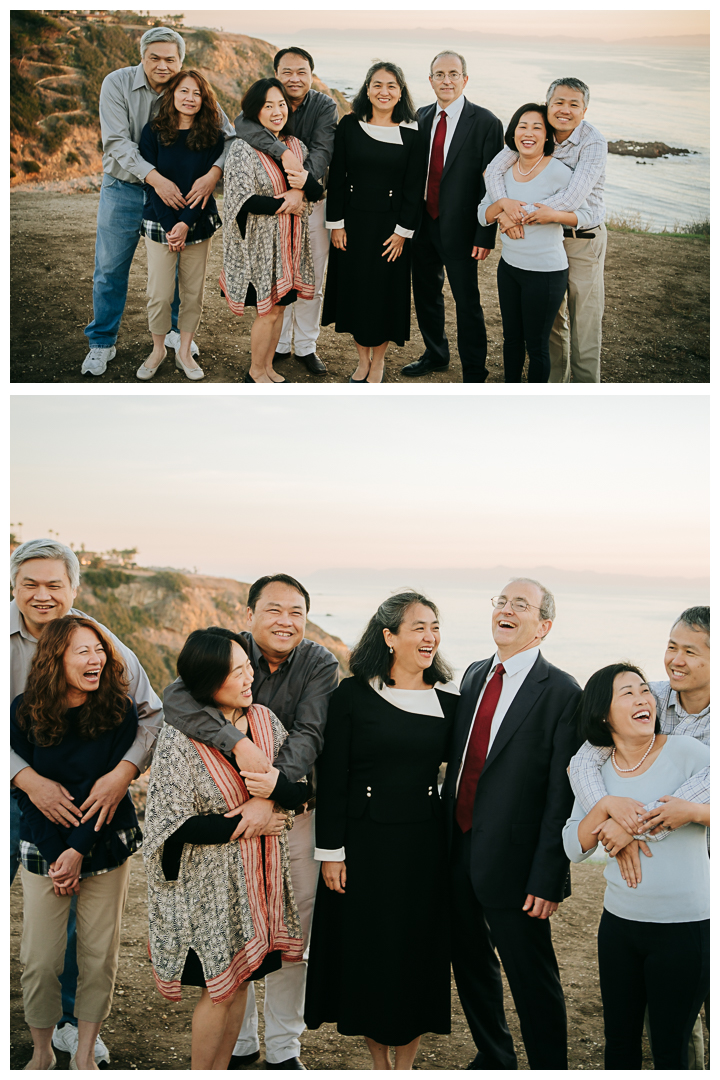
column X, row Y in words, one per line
column 306, row 807
column 575, row 234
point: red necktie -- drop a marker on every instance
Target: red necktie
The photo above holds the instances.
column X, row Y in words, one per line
column 437, row 161
column 477, row 750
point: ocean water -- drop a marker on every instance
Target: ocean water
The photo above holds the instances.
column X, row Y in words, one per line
column 644, row 93
column 598, row 622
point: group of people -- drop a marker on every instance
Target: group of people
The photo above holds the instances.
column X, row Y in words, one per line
column 388, row 199
column 267, row 770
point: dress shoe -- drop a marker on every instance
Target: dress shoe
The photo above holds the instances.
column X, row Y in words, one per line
column 248, row 378
column 281, row 356
column 356, row 382
column 313, row 363
column 423, row 366
column 289, row 1063
column 241, row 1061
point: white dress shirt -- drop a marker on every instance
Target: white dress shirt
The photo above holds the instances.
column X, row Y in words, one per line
column 452, row 115
column 517, row 669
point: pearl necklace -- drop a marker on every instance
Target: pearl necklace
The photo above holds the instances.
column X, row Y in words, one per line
column 639, row 762
column 531, row 170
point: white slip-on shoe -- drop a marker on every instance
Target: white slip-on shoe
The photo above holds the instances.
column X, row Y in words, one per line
column 95, row 363
column 192, row 373
column 146, row 373
column 51, row 1066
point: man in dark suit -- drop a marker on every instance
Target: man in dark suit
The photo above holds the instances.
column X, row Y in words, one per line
column 507, row 797
column 460, row 140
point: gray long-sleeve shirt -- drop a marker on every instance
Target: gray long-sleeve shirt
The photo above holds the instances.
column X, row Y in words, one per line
column 298, row 693
column 314, row 123
column 127, row 104
column 149, row 706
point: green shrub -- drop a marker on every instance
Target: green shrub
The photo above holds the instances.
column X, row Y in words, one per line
column 54, row 137
column 105, row 578
column 170, row 580
column 72, row 158
column 12, row 173
column 25, row 108
column 30, row 166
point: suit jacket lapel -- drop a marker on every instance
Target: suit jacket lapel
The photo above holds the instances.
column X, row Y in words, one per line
column 464, row 125
column 466, row 711
column 525, row 698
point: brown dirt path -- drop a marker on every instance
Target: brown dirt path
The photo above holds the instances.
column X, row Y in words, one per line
column 144, row 1031
column 656, row 320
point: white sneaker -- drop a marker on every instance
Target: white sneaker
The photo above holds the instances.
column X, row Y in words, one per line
column 172, row 341
column 66, row 1038
column 95, row 363
column 102, row 1054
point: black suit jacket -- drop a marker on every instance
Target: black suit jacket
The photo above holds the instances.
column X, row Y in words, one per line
column 523, row 795
column 477, row 139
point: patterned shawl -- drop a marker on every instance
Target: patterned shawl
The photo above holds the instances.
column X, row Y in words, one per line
column 275, row 254
column 226, row 905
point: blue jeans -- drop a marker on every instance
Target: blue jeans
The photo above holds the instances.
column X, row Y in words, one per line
column 68, row 979
column 119, row 217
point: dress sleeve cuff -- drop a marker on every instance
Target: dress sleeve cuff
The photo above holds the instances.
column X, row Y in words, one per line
column 326, row 855
column 335, row 224
column 407, row 233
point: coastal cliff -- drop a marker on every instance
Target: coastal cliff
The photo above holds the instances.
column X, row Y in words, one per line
column 153, row 612
column 58, row 63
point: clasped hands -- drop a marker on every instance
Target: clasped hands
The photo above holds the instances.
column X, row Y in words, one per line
column 513, row 216
column 258, row 814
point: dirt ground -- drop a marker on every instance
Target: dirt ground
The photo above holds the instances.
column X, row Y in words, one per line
column 144, row 1031
column 656, row 326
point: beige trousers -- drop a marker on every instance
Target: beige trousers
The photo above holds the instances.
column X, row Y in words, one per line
column 192, row 264
column 100, row 906
column 576, row 336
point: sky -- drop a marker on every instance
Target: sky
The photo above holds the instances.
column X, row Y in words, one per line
column 608, row 25
column 238, row 486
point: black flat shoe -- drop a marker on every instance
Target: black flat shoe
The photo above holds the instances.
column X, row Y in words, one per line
column 290, row 1063
column 241, row 1061
column 248, row 378
column 358, row 381
column 423, row 366
column 313, row 363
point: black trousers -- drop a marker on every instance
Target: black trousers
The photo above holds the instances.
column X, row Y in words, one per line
column 663, row 965
column 529, row 302
column 527, row 954
column 429, row 264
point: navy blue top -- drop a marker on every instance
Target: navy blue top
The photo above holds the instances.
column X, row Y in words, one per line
column 76, row 764
column 183, row 166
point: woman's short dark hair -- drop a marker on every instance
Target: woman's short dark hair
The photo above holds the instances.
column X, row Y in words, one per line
column 404, row 111
column 531, row 107
column 596, row 700
column 297, row 51
column 206, row 660
column 255, row 98
column 371, row 658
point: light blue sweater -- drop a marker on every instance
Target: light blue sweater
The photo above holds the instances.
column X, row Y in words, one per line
column 542, row 246
column 675, row 884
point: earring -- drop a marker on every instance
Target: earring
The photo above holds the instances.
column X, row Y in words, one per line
column 391, row 649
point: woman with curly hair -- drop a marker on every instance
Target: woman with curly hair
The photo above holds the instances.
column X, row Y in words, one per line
column 182, row 143
column 375, row 191
column 267, row 260
column 73, row 724
column 380, row 949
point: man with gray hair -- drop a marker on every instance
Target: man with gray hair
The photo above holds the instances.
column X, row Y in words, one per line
column 574, row 344
column 460, row 140
column 45, row 576
column 507, row 797
column 129, row 99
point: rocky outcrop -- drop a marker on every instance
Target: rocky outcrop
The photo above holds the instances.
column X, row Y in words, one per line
column 630, row 148
column 153, row 613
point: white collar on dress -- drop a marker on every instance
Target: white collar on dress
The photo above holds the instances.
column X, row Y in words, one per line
column 387, row 134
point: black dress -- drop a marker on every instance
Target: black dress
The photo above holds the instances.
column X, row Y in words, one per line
column 372, row 186
column 380, row 954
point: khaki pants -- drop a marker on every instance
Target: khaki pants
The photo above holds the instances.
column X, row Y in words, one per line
column 576, row 336
column 99, row 910
column 304, row 315
column 192, row 264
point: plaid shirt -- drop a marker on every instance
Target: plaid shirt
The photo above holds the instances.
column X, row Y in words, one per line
column 34, row 863
column 201, row 230
column 585, row 152
column 584, row 771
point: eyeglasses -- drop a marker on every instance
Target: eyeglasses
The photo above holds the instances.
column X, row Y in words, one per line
column 516, row 605
column 439, row 76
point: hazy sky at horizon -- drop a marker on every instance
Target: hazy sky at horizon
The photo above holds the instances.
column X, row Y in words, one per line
column 233, row 485
column 609, row 25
